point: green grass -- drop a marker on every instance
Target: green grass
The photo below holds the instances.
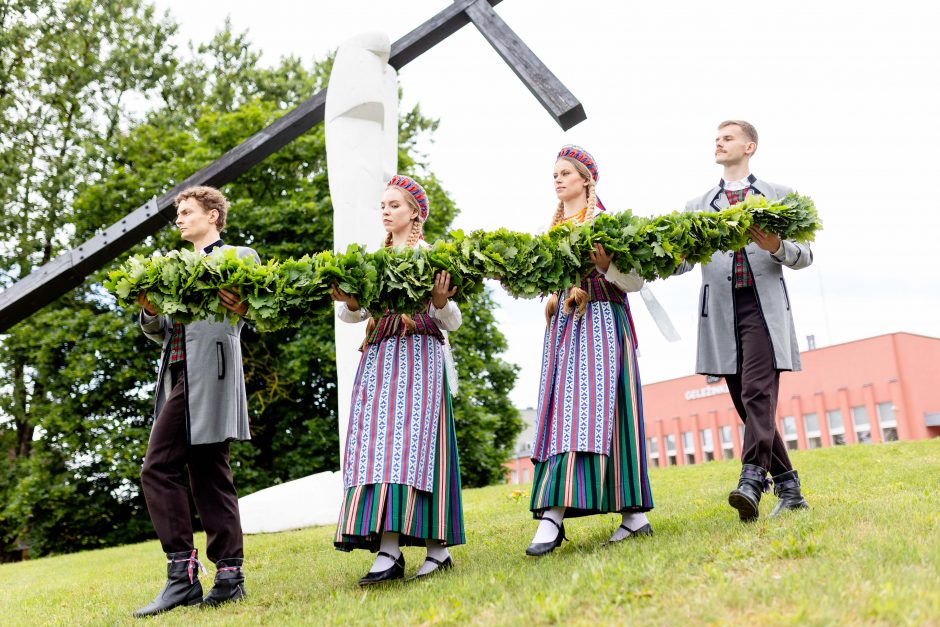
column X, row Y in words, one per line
column 868, row 552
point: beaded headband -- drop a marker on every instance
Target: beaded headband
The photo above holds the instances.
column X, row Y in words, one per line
column 579, row 154
column 412, row 187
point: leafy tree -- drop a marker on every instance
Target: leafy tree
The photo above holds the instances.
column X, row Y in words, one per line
column 76, row 380
column 67, row 71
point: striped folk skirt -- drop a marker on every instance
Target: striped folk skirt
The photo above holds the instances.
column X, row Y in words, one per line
column 372, row 509
column 588, row 483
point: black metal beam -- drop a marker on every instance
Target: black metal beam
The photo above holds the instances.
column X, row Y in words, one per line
column 432, row 32
column 69, row 269
column 545, row 86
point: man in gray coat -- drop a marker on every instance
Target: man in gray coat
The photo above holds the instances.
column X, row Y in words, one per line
column 745, row 329
column 201, row 404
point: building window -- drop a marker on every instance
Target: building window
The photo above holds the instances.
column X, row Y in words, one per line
column 514, row 478
column 862, row 425
column 671, row 449
column 688, row 447
column 652, row 447
column 887, row 421
column 788, row 426
column 708, row 445
column 813, row 434
column 727, row 446
column 525, row 475
column 741, row 433
column 836, row 427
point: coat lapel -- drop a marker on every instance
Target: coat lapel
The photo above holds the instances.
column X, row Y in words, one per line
column 717, row 199
column 760, row 187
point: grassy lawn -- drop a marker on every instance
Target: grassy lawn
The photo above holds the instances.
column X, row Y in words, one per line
column 868, row 552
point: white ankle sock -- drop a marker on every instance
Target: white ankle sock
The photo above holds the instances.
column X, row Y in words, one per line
column 436, row 550
column 389, row 545
column 547, row 532
column 632, row 521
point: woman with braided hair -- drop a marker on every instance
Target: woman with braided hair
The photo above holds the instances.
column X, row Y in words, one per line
column 400, row 470
column 589, row 451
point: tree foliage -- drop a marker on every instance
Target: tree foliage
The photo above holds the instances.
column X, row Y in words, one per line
column 76, row 379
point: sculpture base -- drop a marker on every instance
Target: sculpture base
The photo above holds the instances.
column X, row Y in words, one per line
column 308, row 502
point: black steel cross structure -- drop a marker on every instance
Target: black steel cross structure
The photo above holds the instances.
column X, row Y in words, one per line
column 69, row 269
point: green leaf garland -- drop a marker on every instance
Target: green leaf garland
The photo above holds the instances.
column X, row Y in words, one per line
column 184, row 284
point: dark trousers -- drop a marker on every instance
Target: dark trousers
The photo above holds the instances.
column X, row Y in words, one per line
column 164, row 482
column 754, row 388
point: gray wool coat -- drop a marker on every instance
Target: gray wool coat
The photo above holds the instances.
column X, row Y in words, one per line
column 717, row 339
column 216, row 401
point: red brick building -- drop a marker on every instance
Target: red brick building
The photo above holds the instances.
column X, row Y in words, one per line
column 873, row 390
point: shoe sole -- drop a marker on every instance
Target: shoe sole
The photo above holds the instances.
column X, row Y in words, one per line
column 784, row 510
column 194, row 602
column 637, row 533
column 432, row 573
column 212, row 604
column 746, row 509
column 366, row 584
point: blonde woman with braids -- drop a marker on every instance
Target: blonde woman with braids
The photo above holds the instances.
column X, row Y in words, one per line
column 589, row 452
column 401, row 473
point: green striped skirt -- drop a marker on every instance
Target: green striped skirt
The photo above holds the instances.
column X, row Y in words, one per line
column 592, row 483
column 372, row 509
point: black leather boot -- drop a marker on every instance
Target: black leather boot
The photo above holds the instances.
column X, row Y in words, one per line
column 182, row 584
column 787, row 489
column 746, row 498
column 229, row 583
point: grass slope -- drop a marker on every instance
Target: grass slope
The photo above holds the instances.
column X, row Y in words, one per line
column 868, row 552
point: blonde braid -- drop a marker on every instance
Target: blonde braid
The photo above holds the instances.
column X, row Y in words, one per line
column 551, row 308
column 577, row 301
column 417, row 232
column 408, row 325
column 592, row 199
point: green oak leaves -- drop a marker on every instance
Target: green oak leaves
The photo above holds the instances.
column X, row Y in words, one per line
column 280, row 294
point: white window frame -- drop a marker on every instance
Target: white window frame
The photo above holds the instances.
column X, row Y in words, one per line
column 814, row 434
column 860, row 429
column 837, row 430
column 887, row 423
column 653, row 447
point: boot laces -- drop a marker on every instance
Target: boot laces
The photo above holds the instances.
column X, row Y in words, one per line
column 193, row 562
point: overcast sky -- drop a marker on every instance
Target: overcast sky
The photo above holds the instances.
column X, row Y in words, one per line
column 845, row 97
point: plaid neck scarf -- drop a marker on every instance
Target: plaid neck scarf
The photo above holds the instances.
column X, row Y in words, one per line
column 742, row 270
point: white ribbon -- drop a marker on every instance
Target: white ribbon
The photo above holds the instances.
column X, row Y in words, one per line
column 449, row 366
column 660, row 317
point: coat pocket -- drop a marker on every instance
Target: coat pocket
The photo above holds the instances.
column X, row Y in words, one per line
column 705, row 300
column 786, row 297
column 220, row 358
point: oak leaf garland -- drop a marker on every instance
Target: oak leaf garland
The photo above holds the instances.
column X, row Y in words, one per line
column 184, row 284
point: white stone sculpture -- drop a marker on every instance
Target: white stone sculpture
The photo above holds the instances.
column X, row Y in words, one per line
column 361, row 121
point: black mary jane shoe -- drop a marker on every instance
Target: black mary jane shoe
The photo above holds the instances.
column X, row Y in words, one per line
column 446, row 564
column 395, row 571
column 543, row 548
column 645, row 530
